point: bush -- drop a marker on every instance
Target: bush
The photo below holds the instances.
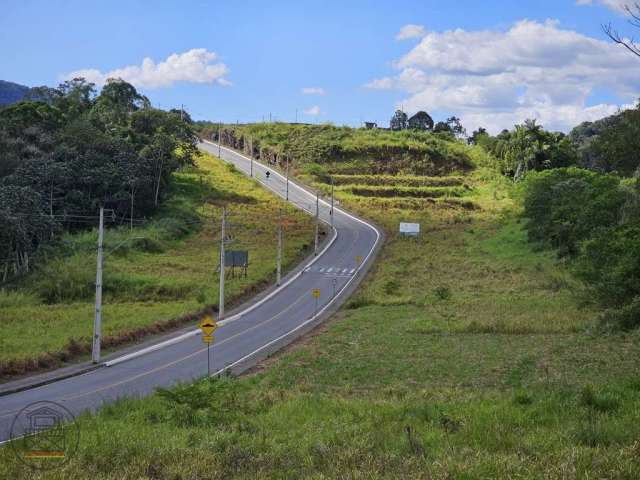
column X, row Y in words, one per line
column 567, row 205
column 66, row 279
column 610, row 263
column 625, row 318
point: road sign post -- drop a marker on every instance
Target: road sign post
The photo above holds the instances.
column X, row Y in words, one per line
column 208, row 326
column 316, row 294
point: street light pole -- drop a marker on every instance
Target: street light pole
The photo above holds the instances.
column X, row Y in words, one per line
column 287, row 195
column 315, row 250
column 97, row 319
column 222, row 267
column 331, row 201
column 279, row 253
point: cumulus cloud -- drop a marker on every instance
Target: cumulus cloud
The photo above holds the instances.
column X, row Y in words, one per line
column 495, row 79
column 313, row 91
column 411, row 31
column 313, row 111
column 195, row 66
column 617, row 5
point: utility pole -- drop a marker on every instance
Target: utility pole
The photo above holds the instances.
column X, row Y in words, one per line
column 251, row 171
column 97, row 319
column 279, row 253
column 222, row 267
column 219, row 139
column 287, row 195
column 296, row 115
column 332, row 201
column 315, row 250
column 182, row 112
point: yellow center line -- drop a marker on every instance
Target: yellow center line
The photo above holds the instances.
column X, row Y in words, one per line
column 170, row 364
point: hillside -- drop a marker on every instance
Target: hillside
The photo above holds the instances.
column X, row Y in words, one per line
column 157, row 276
column 317, row 148
column 467, row 353
column 11, row 92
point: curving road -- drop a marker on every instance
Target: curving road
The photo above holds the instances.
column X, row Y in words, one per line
column 243, row 339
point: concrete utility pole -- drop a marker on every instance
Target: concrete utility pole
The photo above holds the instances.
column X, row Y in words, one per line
column 279, row 253
column 222, row 267
column 251, row 156
column 287, row 195
column 332, row 201
column 315, row 250
column 97, row 319
column 219, row 140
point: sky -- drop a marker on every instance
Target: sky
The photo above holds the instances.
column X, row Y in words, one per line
column 491, row 63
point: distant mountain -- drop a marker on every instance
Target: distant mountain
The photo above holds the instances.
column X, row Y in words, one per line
column 11, row 92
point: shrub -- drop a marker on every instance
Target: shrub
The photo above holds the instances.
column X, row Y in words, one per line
column 624, row 318
column 567, row 205
column 66, row 279
column 610, row 263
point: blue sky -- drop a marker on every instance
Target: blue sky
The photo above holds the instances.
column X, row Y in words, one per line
column 493, row 66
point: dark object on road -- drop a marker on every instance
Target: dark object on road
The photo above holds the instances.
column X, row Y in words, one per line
column 268, row 174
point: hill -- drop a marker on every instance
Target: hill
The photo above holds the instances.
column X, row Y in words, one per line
column 12, row 92
column 466, row 353
column 318, row 148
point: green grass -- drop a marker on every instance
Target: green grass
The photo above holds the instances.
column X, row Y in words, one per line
column 169, row 272
column 466, row 354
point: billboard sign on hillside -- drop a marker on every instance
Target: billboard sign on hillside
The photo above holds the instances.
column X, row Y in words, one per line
column 409, row 229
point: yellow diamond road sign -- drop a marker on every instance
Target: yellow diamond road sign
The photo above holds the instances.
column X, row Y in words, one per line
column 208, row 326
column 315, row 292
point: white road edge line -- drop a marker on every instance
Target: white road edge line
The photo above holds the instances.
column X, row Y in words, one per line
column 249, row 355
column 184, row 336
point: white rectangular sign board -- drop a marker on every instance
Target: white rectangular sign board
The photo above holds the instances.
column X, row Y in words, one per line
column 409, row 228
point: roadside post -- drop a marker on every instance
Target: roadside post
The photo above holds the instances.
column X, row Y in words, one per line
column 208, row 326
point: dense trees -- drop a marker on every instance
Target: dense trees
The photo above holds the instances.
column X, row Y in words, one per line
column 527, row 147
column 593, row 220
column 72, row 151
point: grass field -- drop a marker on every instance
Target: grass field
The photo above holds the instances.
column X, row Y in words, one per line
column 157, row 273
column 466, row 354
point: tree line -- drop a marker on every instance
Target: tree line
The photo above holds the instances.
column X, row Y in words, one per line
column 67, row 151
column 581, row 197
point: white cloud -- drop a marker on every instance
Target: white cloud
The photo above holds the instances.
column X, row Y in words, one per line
column 385, row 83
column 496, row 79
column 313, row 111
column 411, row 31
column 195, row 66
column 617, row 5
column 313, row 91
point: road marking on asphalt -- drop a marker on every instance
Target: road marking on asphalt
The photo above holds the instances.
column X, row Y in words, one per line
column 375, row 230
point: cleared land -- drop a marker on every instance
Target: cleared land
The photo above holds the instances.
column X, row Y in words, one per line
column 155, row 276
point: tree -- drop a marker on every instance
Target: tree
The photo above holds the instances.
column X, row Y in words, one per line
column 452, row 126
column 477, row 135
column 421, row 121
column 116, row 102
column 398, row 121
column 613, row 34
column 182, row 113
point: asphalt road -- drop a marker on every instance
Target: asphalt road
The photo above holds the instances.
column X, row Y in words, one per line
column 243, row 339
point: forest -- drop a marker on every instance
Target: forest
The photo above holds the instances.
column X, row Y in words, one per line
column 68, row 151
